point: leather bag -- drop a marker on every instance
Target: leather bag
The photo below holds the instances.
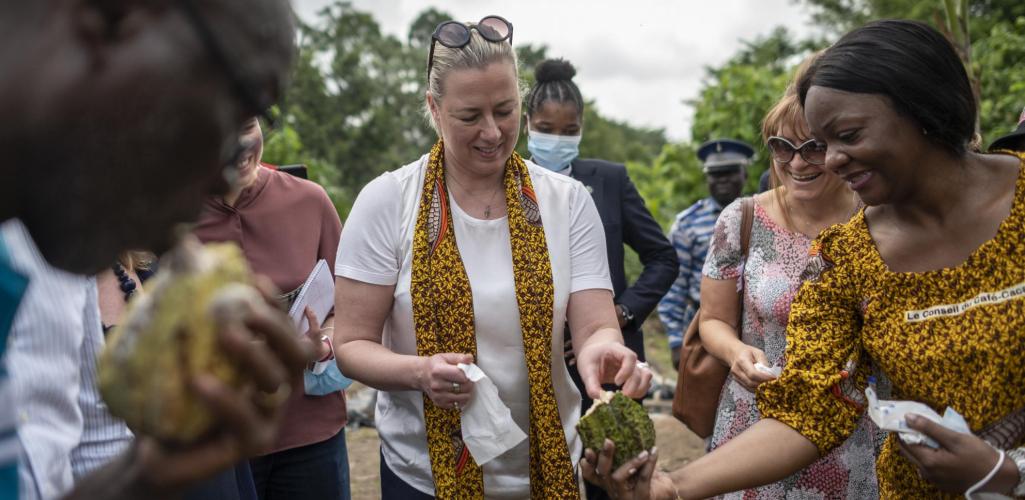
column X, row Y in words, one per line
column 701, row 375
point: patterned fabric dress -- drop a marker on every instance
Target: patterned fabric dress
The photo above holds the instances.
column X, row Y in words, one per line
column 947, row 337
column 771, row 278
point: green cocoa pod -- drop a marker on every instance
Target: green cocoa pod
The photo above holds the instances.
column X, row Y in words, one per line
column 621, row 419
column 169, row 336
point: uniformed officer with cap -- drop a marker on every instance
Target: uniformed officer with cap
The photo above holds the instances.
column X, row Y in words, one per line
column 725, row 164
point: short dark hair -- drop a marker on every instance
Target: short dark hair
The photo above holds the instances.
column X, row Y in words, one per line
column 553, row 81
column 910, row 63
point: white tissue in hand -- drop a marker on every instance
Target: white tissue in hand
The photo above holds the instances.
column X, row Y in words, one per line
column 488, row 427
column 775, row 371
column 890, row 416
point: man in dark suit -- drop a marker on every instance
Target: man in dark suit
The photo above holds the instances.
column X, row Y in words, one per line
column 626, row 220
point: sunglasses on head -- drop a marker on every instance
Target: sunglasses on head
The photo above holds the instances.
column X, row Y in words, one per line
column 456, row 35
column 783, row 151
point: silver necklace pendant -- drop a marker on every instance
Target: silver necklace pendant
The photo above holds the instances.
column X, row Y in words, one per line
column 487, row 212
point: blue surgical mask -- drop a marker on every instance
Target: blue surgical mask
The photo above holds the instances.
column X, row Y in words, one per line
column 324, row 383
column 554, row 152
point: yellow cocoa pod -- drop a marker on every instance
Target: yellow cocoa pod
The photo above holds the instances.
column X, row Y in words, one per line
column 169, row 335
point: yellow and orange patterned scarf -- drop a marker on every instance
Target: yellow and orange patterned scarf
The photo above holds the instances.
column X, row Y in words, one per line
column 443, row 319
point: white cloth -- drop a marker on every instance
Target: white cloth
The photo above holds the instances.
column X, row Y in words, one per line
column 376, row 247
column 487, row 424
column 63, row 426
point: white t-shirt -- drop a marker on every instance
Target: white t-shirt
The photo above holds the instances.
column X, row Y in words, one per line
column 377, row 247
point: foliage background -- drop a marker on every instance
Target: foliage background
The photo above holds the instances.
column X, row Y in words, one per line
column 354, row 106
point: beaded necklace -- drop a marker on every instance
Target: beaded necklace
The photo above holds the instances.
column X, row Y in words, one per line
column 126, row 282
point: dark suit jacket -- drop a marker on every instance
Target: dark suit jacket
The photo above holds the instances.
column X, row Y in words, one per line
column 628, row 221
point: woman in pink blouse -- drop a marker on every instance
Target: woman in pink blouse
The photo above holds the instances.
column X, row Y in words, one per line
column 284, row 225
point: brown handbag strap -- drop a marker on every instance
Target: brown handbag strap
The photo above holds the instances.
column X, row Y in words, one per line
column 747, row 217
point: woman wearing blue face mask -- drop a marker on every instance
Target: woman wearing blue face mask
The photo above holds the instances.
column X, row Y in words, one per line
column 554, row 124
column 555, row 114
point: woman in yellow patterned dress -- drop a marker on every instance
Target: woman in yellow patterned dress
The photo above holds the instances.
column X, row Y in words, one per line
column 471, row 254
column 927, row 284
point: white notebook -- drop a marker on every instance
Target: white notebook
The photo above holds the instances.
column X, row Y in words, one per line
column 318, row 292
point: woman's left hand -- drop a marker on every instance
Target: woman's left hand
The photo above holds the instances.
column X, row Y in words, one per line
column 612, row 362
column 959, row 462
column 315, row 334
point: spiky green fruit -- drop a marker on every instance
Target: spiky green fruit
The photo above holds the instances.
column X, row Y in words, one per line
column 169, row 335
column 621, row 419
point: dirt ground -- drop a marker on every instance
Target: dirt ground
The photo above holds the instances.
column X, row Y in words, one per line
column 676, row 444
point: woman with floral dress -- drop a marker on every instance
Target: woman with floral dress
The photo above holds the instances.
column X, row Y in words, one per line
column 805, row 199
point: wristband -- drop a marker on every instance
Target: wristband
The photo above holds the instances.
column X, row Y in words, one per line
column 1017, row 456
column 330, row 349
column 982, row 482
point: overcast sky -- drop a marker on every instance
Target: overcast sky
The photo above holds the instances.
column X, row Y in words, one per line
column 638, row 59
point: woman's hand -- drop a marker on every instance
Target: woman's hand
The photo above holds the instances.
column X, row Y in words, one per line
column 636, row 479
column 322, row 347
column 742, row 367
column 961, row 460
column 612, row 362
column 444, row 382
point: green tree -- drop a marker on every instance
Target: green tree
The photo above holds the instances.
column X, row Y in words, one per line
column 987, row 33
column 355, row 98
column 616, row 141
column 671, row 182
column 733, row 99
column 354, row 106
column 422, row 28
column 529, row 56
column 734, row 107
column 735, row 96
column 841, row 16
column 998, row 64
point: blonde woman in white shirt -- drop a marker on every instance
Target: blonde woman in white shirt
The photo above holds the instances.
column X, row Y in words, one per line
column 471, row 254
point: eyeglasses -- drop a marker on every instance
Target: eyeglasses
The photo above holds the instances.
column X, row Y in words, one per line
column 456, row 35
column 244, row 90
column 783, row 150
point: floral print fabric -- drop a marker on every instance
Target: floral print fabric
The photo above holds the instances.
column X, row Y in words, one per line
column 769, row 280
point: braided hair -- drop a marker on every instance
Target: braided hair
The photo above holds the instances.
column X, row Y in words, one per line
column 553, row 81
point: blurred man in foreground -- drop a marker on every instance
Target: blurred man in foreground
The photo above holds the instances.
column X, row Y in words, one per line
column 120, row 119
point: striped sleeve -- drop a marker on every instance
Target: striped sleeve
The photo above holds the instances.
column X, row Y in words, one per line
column 103, row 436
column 689, row 236
column 12, row 288
column 43, row 358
